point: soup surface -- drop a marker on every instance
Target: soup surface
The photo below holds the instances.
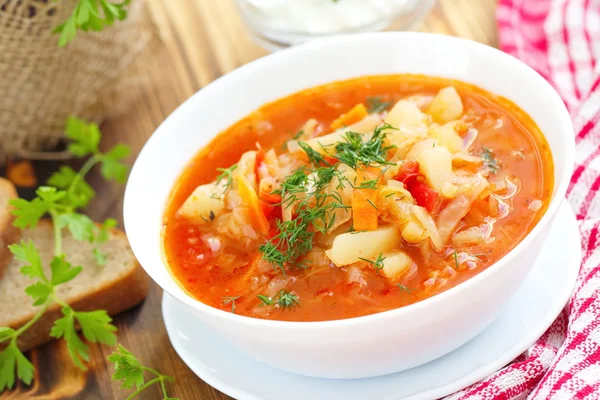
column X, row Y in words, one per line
column 356, row 197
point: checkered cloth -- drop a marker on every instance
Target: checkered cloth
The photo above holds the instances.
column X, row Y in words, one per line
column 561, row 40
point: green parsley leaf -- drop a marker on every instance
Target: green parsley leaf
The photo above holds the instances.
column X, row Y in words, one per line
column 26, row 251
column 113, row 167
column 28, row 213
column 80, row 225
column 62, row 270
column 130, row 372
column 96, row 326
column 99, row 256
column 90, row 15
column 11, row 358
column 85, row 137
column 6, row 333
column 128, row 368
column 80, row 192
column 102, row 236
column 104, row 232
column 65, row 327
column 50, row 195
column 39, row 292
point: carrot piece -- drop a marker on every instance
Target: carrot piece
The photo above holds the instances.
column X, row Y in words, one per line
column 250, row 199
column 357, row 113
column 364, row 201
column 271, row 198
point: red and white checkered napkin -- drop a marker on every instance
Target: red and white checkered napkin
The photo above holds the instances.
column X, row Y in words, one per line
column 561, row 40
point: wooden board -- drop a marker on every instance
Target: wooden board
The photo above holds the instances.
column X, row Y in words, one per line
column 204, row 39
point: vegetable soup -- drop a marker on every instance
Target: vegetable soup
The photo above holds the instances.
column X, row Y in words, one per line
column 356, row 197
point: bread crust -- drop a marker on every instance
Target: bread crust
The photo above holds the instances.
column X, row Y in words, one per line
column 8, row 233
column 115, row 297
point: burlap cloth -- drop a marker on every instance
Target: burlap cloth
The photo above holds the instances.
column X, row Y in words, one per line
column 41, row 84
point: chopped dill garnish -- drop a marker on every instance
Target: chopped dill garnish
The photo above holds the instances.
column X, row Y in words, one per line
column 406, row 289
column 490, row 160
column 227, row 174
column 372, row 204
column 455, row 259
column 389, row 194
column 297, row 135
column 370, row 184
column 314, row 211
column 230, row 299
column 282, row 299
column 313, row 156
column 377, row 264
column 375, row 105
column 355, row 152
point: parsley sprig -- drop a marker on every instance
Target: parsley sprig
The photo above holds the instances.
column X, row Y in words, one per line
column 130, row 371
column 66, row 194
column 90, row 15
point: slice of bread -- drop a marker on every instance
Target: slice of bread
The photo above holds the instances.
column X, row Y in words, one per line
column 8, row 233
column 116, row 286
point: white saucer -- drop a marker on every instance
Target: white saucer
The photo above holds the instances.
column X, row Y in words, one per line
column 527, row 315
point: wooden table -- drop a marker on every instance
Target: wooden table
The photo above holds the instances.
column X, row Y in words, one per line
column 204, row 39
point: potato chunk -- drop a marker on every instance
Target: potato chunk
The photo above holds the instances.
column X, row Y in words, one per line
column 446, row 105
column 447, row 136
column 436, row 164
column 406, row 113
column 396, row 264
column 204, row 204
column 350, row 247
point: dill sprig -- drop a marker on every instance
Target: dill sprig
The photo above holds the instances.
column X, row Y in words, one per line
column 282, row 299
column 490, row 160
column 356, row 152
column 227, row 175
column 231, row 300
column 375, row 105
column 377, row 263
column 314, row 212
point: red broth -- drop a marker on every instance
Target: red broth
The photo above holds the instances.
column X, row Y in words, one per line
column 325, row 293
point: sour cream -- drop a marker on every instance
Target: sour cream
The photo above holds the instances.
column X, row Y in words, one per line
column 322, row 17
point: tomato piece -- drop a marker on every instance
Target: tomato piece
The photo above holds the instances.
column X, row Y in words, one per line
column 424, row 195
column 271, row 198
column 408, row 170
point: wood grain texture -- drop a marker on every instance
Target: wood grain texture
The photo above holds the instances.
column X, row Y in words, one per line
column 204, row 39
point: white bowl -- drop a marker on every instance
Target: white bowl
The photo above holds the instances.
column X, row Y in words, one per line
column 380, row 343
